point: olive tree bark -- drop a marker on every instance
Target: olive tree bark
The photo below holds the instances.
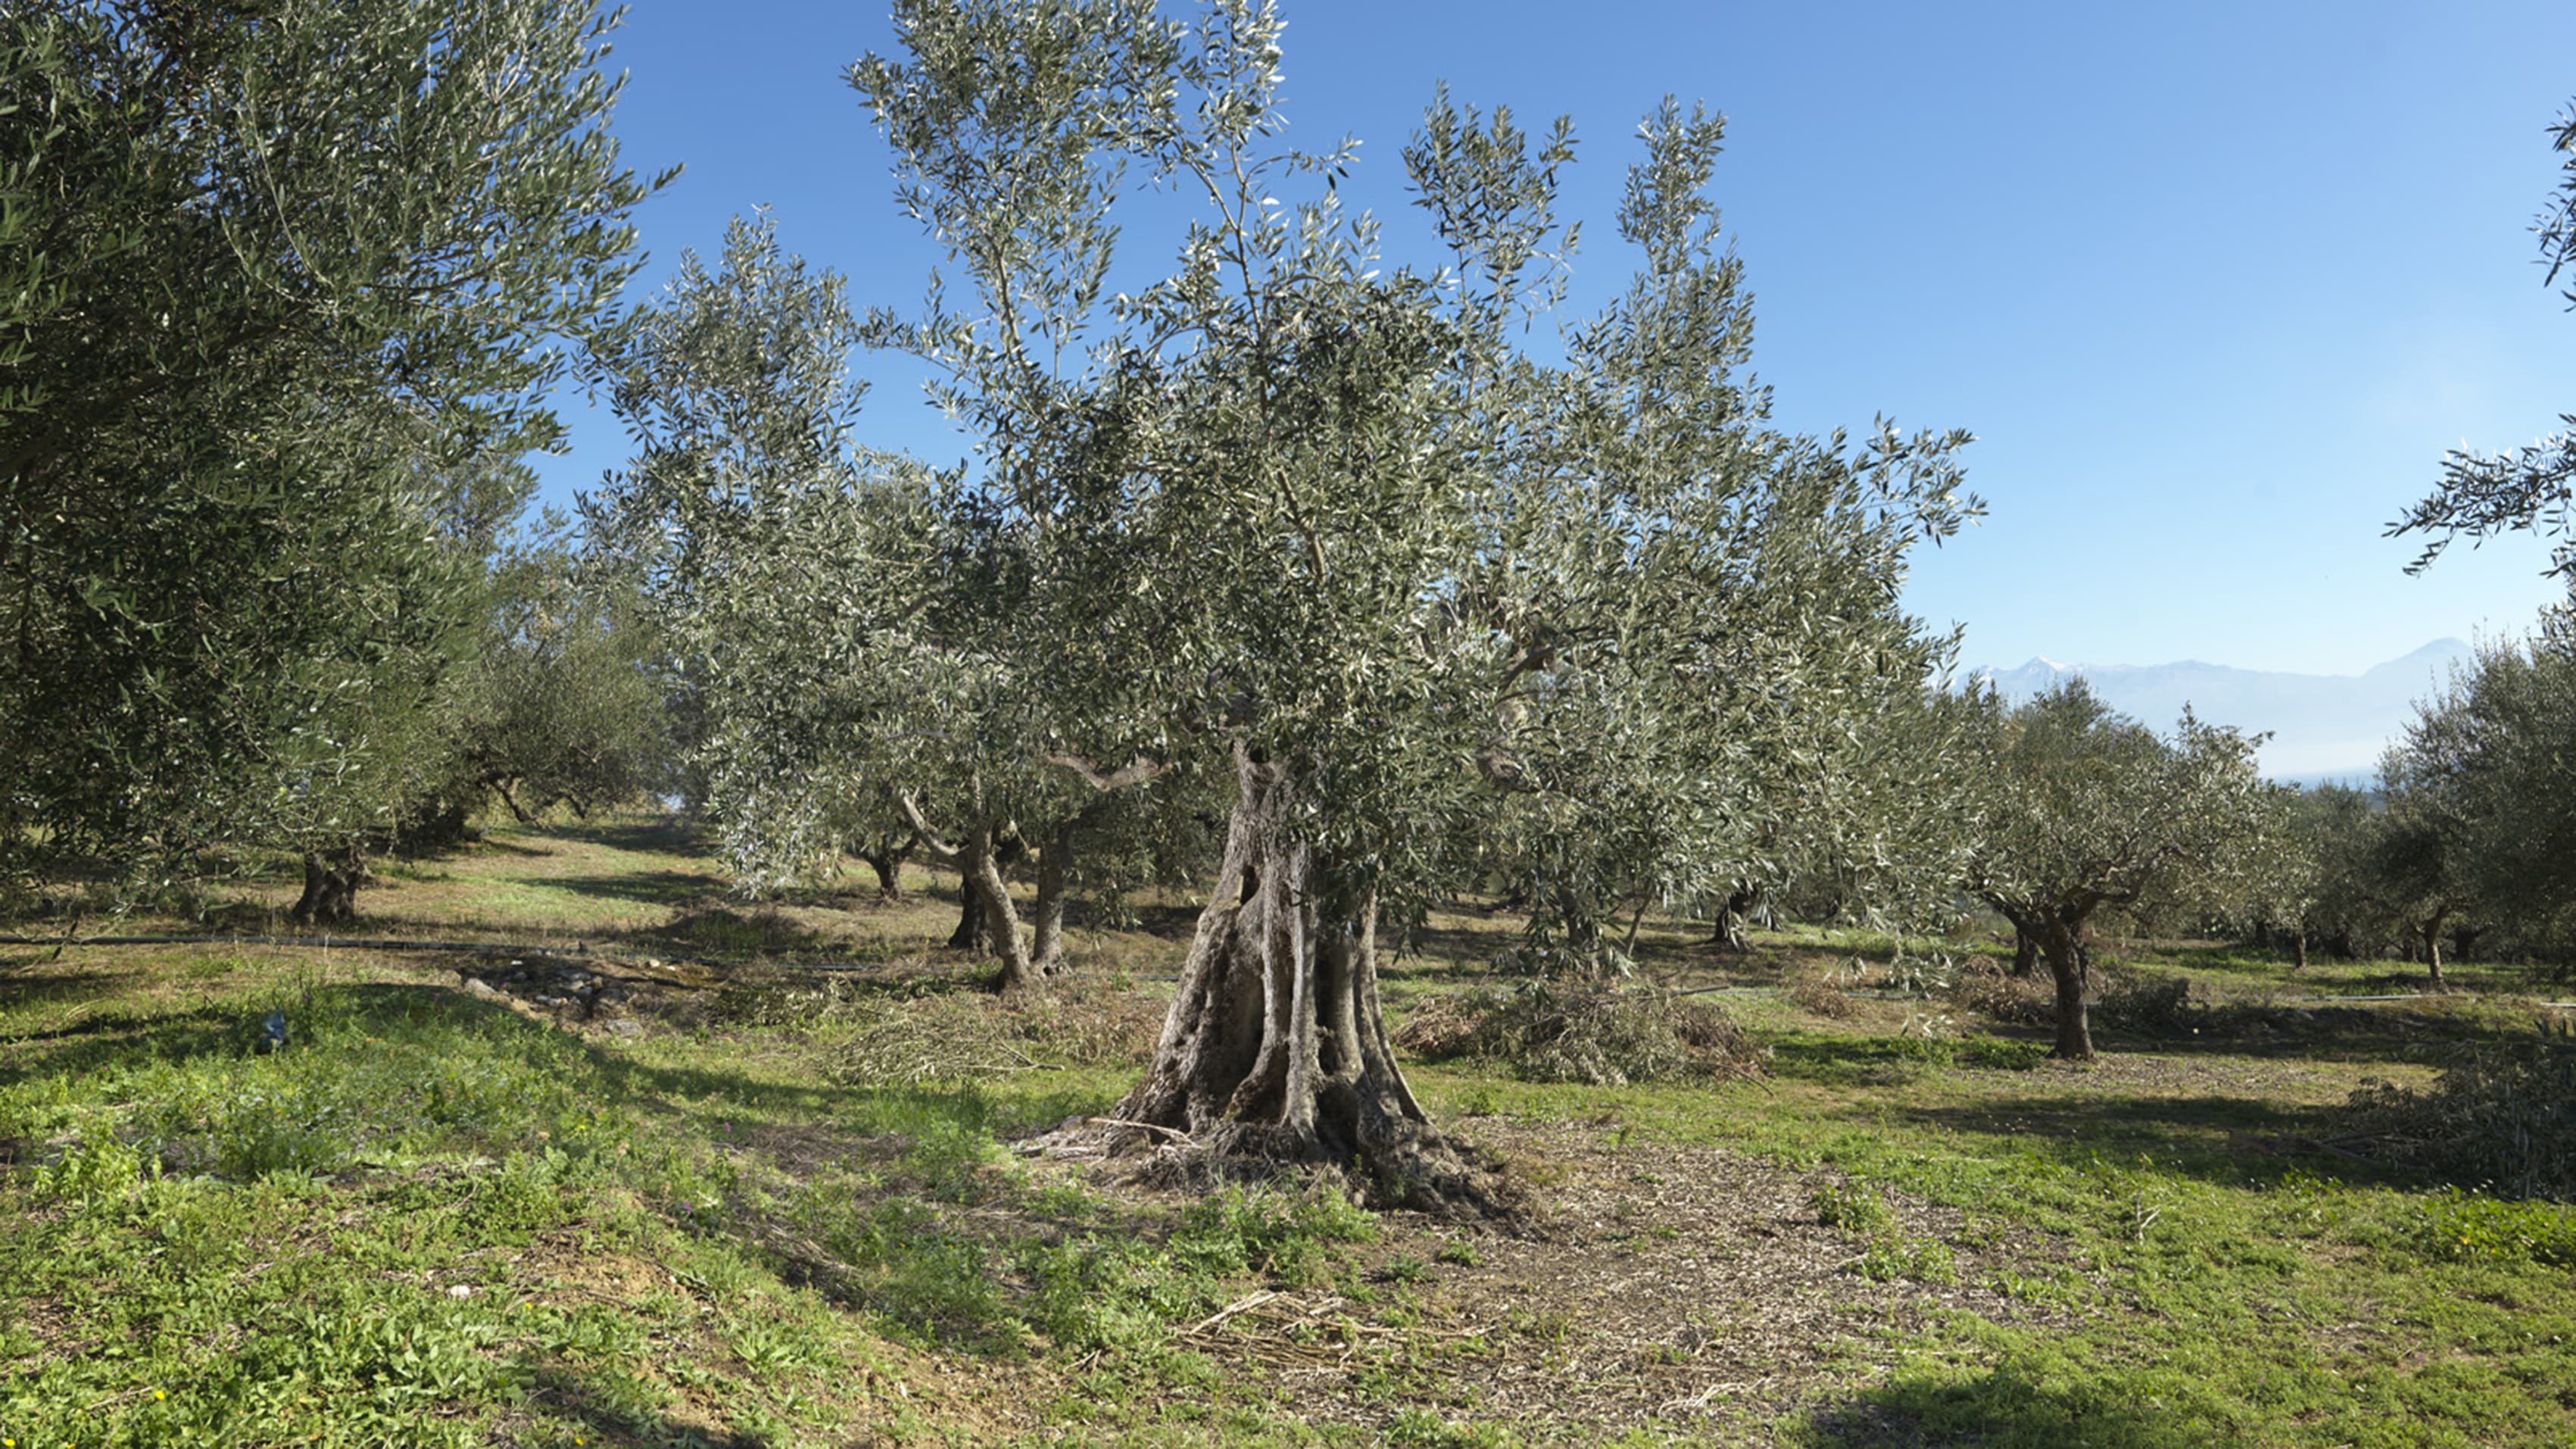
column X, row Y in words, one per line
column 331, row 887
column 1275, row 1047
column 1046, row 914
column 1732, row 919
column 889, row 869
column 887, row 859
column 980, row 884
column 2433, row 947
column 1018, row 973
column 2066, row 964
column 974, row 928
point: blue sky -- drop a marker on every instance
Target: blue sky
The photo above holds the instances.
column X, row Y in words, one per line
column 2215, row 285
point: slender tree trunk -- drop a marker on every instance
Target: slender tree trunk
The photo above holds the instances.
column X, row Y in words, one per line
column 331, row 887
column 1275, row 1047
column 510, row 798
column 2433, row 950
column 2025, row 950
column 1046, row 949
column 2066, row 964
column 974, row 926
column 1001, row 919
column 2299, row 942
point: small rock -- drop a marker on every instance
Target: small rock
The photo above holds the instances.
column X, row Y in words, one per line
column 460, row 1291
column 479, row 987
column 624, row 1026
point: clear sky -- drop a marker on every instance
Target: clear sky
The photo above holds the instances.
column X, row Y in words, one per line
column 2215, row 285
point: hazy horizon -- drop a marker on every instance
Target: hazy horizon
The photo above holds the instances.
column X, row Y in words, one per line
column 2323, row 725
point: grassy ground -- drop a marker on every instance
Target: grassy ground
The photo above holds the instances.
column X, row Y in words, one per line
column 549, row 1197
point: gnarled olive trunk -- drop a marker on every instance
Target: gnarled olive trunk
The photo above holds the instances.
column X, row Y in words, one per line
column 986, row 919
column 2066, row 962
column 974, row 925
column 1001, row 919
column 2025, row 951
column 2433, row 948
column 331, row 887
column 1733, row 920
column 888, row 860
column 1046, row 913
column 1275, row 1048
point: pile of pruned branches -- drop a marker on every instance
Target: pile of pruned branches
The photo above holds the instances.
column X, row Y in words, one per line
column 2501, row 1116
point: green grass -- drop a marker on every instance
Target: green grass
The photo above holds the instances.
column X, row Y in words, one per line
column 436, row 1220
column 398, row 1230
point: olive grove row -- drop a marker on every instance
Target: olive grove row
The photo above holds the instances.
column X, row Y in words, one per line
column 1327, row 580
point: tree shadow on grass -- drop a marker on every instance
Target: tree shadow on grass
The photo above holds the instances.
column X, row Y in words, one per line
column 2219, row 1139
column 55, row 985
column 2001, row 1408
column 2277, row 1033
column 665, row 835
column 596, row 1407
column 109, row 1038
column 674, row 888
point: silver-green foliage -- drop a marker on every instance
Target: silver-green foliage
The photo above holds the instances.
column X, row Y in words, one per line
column 2082, row 808
column 284, row 285
column 2534, row 487
column 1298, row 494
column 2482, row 793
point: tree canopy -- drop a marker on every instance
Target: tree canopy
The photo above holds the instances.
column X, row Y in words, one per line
column 2083, row 808
column 285, row 288
column 1286, row 511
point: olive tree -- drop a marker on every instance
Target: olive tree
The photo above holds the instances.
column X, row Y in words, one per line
column 563, row 701
column 1302, row 509
column 2481, row 797
column 2084, row 808
column 280, row 283
column 842, row 613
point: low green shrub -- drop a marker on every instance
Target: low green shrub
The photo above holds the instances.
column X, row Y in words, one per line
column 2457, row 1226
column 2134, row 1001
column 1853, row 1208
column 1889, row 1259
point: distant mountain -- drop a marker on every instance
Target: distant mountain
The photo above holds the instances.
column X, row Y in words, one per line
column 2323, row 726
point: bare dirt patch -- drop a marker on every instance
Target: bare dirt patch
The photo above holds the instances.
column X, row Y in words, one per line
column 1678, row 1288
